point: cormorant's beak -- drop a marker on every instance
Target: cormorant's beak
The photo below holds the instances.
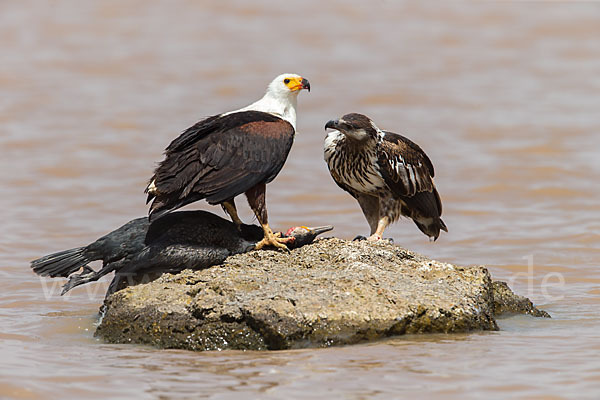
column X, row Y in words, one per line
column 302, row 235
column 320, row 229
column 333, row 124
column 305, row 84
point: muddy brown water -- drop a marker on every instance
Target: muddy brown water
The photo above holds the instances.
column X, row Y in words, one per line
column 504, row 97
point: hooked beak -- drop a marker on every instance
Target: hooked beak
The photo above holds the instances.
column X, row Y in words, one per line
column 333, row 124
column 297, row 84
column 305, row 84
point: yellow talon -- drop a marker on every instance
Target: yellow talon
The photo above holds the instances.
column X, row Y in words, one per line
column 274, row 240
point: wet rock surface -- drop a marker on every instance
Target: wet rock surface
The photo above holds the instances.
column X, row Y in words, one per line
column 331, row 292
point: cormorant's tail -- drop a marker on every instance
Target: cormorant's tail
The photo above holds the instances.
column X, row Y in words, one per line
column 63, row 263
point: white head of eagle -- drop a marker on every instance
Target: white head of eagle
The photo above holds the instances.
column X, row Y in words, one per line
column 281, row 97
column 225, row 155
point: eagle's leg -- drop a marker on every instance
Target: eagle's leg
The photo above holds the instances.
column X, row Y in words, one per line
column 381, row 225
column 256, row 200
column 229, row 207
column 370, row 208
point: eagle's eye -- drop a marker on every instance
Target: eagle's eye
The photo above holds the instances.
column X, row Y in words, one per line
column 286, row 81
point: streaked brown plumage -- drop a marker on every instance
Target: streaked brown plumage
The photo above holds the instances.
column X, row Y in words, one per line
column 388, row 174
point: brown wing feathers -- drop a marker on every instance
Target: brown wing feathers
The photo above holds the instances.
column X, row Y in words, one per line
column 408, row 172
column 406, row 168
column 219, row 158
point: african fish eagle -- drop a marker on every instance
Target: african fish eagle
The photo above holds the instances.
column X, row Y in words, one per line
column 388, row 174
column 225, row 155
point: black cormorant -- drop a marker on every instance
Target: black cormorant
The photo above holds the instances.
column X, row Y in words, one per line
column 140, row 251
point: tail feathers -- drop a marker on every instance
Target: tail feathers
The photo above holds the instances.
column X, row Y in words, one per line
column 431, row 226
column 158, row 208
column 61, row 264
column 164, row 205
column 443, row 226
column 156, row 213
column 425, row 209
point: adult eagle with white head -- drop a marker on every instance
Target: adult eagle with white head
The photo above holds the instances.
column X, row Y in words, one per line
column 225, row 155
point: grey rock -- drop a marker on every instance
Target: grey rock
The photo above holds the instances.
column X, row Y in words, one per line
column 331, row 292
column 507, row 303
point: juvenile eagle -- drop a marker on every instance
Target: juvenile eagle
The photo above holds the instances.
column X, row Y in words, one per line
column 387, row 174
column 228, row 154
